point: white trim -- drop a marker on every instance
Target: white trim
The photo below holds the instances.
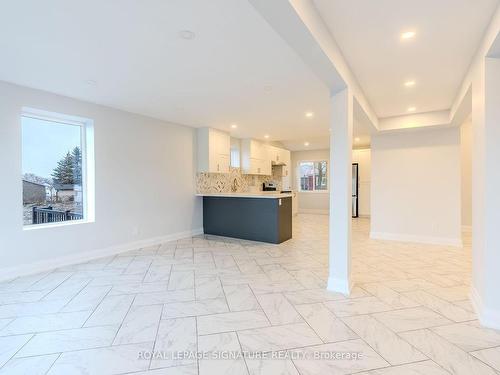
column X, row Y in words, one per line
column 467, row 228
column 318, row 211
column 339, row 285
column 487, row 317
column 50, row 264
column 457, row 242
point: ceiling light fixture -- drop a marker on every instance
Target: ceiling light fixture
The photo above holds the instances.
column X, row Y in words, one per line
column 234, row 126
column 309, row 114
column 356, row 139
column 266, row 136
column 306, row 144
column 187, row 34
column 410, row 83
column 408, row 35
column 90, row 82
column 411, row 109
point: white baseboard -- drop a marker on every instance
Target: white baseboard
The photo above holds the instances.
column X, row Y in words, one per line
column 317, row 211
column 49, row 264
column 339, row 285
column 417, row 239
column 487, row 317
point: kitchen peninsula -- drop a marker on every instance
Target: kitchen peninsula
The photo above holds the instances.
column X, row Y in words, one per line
column 260, row 216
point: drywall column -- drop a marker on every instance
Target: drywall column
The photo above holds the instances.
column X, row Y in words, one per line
column 339, row 279
column 486, row 198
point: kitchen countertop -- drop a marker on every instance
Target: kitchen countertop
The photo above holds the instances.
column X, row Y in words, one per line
column 260, row 194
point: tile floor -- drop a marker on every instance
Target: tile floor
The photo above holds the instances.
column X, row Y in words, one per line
column 408, row 314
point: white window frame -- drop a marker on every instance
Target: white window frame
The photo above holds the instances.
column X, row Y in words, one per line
column 88, row 162
column 299, row 186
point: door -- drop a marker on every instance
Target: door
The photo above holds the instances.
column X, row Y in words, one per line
column 355, row 190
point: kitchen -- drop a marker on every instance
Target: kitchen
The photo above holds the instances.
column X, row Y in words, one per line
column 246, row 187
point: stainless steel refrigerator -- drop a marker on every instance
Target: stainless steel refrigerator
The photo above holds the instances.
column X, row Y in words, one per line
column 355, row 189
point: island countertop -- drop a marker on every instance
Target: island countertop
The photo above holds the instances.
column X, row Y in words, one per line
column 260, row 194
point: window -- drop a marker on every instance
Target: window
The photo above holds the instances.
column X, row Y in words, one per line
column 313, row 176
column 57, row 162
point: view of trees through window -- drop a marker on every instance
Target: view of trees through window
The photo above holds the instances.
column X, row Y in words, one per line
column 52, row 171
column 313, row 175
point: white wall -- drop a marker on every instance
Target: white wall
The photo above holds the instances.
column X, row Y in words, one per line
column 144, row 183
column 363, row 158
column 416, row 186
column 318, row 202
column 466, row 165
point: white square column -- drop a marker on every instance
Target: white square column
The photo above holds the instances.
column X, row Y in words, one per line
column 339, row 278
column 486, row 195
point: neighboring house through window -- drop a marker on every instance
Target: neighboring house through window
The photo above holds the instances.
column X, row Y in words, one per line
column 313, row 176
column 57, row 168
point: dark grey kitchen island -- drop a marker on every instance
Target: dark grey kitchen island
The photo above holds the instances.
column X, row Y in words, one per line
column 265, row 217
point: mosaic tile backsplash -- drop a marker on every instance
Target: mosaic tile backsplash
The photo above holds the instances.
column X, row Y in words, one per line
column 234, row 181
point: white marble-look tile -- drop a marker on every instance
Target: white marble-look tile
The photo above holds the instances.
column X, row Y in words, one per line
column 110, row 360
column 68, row 289
column 489, row 356
column 10, row 345
column 326, row 325
column 158, row 274
column 44, row 323
column 411, row 319
column 450, row 357
column 181, row 280
column 51, row 281
column 159, row 298
column 133, row 288
column 194, row 308
column 240, row 298
column 389, row 296
column 15, row 310
column 419, row 368
column 313, row 296
column 177, row 370
column 309, row 365
column 278, row 338
column 390, row 346
column 208, row 287
column 469, row 336
column 140, row 325
column 111, row 310
column 21, row 297
column 262, row 287
column 66, row 340
column 451, row 294
column 356, row 306
column 175, row 335
column 87, row 299
column 231, row 321
column 38, row 365
column 278, row 310
column 445, row 308
column 4, row 323
column 213, row 346
column 271, row 366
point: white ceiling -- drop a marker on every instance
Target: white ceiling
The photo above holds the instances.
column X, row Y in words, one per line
column 236, row 69
column 128, row 54
column 447, row 35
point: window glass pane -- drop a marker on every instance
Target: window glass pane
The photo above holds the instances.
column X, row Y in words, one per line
column 306, row 176
column 52, row 171
column 320, row 173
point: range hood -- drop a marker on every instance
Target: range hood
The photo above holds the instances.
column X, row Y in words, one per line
column 277, row 163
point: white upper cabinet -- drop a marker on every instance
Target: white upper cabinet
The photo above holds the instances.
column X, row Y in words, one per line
column 255, row 158
column 214, row 149
column 278, row 155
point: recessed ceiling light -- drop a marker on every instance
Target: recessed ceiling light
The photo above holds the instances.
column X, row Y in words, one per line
column 410, row 83
column 306, row 144
column 309, row 114
column 187, row 34
column 408, row 35
column 411, row 109
column 356, row 139
column 234, row 126
column 268, row 88
column 90, row 82
column 266, row 136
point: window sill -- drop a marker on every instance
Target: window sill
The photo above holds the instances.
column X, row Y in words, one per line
column 314, row 191
column 56, row 225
